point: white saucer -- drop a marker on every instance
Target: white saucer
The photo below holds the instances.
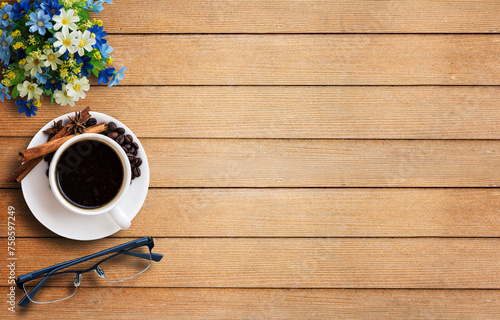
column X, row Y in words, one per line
column 56, row 218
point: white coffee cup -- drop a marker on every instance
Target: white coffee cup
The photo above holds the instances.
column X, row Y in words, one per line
column 111, row 207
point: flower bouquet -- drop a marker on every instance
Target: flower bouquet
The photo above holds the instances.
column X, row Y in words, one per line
column 51, row 47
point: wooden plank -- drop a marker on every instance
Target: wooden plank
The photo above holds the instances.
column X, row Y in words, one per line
column 296, row 16
column 162, row 303
column 286, row 112
column 300, row 213
column 308, row 163
column 308, row 59
column 444, row 263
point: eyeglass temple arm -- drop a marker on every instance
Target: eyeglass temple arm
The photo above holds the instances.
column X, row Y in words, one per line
column 154, row 256
column 128, row 245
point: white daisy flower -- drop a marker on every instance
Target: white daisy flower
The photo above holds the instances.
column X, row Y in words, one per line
column 51, row 58
column 63, row 98
column 76, row 88
column 86, row 42
column 66, row 20
column 33, row 66
column 66, row 41
column 30, row 89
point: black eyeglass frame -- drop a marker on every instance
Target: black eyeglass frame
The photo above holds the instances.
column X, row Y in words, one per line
column 56, row 269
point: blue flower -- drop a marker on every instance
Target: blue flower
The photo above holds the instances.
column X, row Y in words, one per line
column 27, row 107
column 53, row 85
column 5, row 14
column 51, row 7
column 85, row 65
column 39, row 21
column 37, row 4
column 20, row 9
column 4, row 92
column 99, row 36
column 7, row 28
column 5, row 48
column 117, row 77
column 42, row 77
column 105, row 75
column 106, row 50
column 95, row 6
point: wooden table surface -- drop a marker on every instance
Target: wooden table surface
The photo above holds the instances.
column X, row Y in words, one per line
column 309, row 159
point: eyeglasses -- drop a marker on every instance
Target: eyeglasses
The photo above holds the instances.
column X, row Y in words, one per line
column 61, row 281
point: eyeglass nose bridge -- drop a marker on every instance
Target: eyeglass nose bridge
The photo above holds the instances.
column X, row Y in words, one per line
column 100, row 272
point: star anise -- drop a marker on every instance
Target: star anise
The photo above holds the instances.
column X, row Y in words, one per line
column 77, row 124
column 55, row 129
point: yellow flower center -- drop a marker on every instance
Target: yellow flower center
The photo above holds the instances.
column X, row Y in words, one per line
column 53, row 81
column 4, row 43
column 51, row 56
column 65, row 21
column 31, row 88
column 81, row 44
column 36, row 62
column 92, row 35
column 76, row 87
column 5, row 16
column 39, row 23
column 67, row 42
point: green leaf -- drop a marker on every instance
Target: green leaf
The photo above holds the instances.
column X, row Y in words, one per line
column 95, row 72
column 15, row 92
column 48, row 92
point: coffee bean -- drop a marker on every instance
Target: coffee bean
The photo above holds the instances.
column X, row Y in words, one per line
column 131, row 149
column 91, row 122
column 120, row 130
column 48, row 157
column 113, row 135
column 120, row 139
column 127, row 146
column 128, row 138
column 124, row 149
column 135, row 145
column 134, row 152
column 138, row 162
column 136, row 171
column 131, row 157
column 111, row 126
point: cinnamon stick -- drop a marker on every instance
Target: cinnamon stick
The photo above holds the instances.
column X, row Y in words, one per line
column 27, row 166
column 51, row 146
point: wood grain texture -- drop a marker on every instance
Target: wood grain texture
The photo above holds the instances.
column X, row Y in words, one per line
column 328, row 263
column 308, row 59
column 308, row 163
column 296, row 16
column 300, row 213
column 285, row 112
column 205, row 304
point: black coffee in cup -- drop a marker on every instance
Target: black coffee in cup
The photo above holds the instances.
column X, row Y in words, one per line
column 89, row 174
